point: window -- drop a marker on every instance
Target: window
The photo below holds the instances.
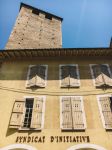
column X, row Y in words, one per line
column 105, row 107
column 48, row 16
column 28, row 113
column 72, row 113
column 37, row 76
column 101, row 75
column 35, row 11
column 69, row 76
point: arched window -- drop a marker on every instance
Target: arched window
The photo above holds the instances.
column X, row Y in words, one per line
column 86, row 147
column 19, row 147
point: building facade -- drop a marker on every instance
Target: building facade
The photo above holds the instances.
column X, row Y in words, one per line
column 52, row 97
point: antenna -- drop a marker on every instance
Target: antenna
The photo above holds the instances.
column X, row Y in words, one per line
column 111, row 43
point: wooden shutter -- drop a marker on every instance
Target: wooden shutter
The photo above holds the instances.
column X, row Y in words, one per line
column 77, row 113
column 37, row 114
column 97, row 75
column 65, row 77
column 73, row 76
column 66, row 113
column 106, row 111
column 40, row 77
column 17, row 114
column 106, row 75
column 33, row 71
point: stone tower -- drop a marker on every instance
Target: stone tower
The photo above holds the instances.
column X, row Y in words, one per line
column 35, row 28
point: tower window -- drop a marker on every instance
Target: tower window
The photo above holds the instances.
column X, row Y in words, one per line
column 47, row 16
column 36, row 12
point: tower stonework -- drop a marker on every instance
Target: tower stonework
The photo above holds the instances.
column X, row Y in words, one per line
column 35, row 28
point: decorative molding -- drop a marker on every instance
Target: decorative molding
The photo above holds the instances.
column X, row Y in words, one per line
column 27, row 54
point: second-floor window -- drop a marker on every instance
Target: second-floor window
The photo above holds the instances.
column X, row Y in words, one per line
column 69, row 75
column 101, row 75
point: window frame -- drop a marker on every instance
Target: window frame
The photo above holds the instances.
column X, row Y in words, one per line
column 92, row 73
column 83, row 114
column 77, row 71
column 100, row 109
column 28, row 73
column 43, row 115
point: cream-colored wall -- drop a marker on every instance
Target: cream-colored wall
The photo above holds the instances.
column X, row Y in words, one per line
column 12, row 85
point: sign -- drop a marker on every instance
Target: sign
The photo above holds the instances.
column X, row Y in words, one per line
column 52, row 139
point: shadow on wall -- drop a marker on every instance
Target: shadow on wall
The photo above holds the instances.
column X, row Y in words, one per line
column 13, row 131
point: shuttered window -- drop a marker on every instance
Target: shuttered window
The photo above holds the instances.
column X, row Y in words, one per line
column 69, row 76
column 105, row 105
column 37, row 76
column 101, row 75
column 72, row 113
column 28, row 114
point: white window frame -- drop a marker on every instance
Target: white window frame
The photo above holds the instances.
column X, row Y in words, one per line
column 77, row 71
column 84, row 116
column 28, row 73
column 43, row 112
column 100, row 109
column 92, row 73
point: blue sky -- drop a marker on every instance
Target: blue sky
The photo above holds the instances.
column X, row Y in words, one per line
column 87, row 23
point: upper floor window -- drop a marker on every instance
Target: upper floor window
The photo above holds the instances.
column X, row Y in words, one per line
column 105, row 106
column 72, row 113
column 28, row 113
column 37, row 76
column 101, row 75
column 69, row 75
